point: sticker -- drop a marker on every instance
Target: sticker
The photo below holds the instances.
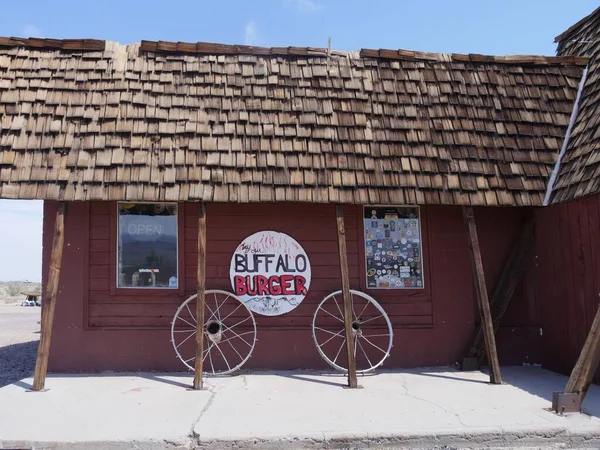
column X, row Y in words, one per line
column 371, row 272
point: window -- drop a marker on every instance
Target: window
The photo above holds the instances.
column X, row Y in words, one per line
column 147, row 245
column 393, row 250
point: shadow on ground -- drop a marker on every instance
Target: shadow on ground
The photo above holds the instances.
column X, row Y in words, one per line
column 17, row 361
column 529, row 381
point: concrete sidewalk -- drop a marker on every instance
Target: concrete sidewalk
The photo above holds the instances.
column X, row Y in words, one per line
column 426, row 408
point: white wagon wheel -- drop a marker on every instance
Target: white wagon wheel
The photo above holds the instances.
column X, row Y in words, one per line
column 371, row 330
column 229, row 333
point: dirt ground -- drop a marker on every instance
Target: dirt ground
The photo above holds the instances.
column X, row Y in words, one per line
column 19, row 337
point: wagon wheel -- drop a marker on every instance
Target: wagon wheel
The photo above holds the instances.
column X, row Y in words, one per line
column 371, row 331
column 229, row 333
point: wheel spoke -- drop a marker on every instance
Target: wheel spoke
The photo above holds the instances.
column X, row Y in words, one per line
column 231, row 313
column 365, row 353
column 219, row 306
column 338, row 306
column 190, row 324
column 226, row 362
column 212, row 313
column 327, row 331
column 210, row 360
column 372, row 318
column 181, row 343
column 376, row 346
column 332, row 337
column 234, row 349
column 207, row 351
column 363, row 310
column 187, row 305
column 193, row 330
column 188, row 360
column 339, row 351
column 240, row 322
column 240, row 337
column 375, row 335
column 335, row 317
column 352, row 304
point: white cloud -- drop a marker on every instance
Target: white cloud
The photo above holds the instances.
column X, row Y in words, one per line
column 20, row 240
column 250, row 34
column 31, row 30
column 305, row 6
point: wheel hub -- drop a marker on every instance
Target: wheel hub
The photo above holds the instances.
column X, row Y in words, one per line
column 214, row 330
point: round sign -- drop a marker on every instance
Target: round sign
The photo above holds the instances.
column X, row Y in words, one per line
column 270, row 273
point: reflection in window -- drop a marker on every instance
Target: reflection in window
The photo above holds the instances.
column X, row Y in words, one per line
column 393, row 249
column 147, row 247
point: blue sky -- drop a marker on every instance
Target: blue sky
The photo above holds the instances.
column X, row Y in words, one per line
column 467, row 26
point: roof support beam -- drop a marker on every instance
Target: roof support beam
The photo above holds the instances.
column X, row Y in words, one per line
column 572, row 397
column 198, row 382
column 341, row 233
column 482, row 297
column 49, row 299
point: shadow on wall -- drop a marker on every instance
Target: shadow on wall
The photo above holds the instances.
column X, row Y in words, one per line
column 17, row 361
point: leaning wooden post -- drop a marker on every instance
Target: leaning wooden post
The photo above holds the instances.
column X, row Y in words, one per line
column 341, row 233
column 512, row 270
column 581, row 377
column 482, row 297
column 198, row 383
column 49, row 300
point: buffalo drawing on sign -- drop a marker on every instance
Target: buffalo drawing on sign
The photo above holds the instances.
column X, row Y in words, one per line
column 270, row 272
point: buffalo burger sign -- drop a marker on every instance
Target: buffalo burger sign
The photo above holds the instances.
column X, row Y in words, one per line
column 270, row 273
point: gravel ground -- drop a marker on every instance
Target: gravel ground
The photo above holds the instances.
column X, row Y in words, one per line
column 19, row 337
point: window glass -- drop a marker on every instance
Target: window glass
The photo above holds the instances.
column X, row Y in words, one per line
column 393, row 249
column 147, row 247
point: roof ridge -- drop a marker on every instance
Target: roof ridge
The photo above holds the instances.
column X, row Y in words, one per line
column 576, row 25
column 210, row 48
column 472, row 57
column 232, row 49
column 55, row 44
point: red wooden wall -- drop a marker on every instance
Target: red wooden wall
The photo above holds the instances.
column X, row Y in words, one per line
column 568, row 277
column 101, row 328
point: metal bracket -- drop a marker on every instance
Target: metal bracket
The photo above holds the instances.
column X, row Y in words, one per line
column 470, row 364
column 566, row 403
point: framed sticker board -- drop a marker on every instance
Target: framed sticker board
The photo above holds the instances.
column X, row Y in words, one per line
column 393, row 250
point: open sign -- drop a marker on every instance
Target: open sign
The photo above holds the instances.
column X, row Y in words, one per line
column 270, row 272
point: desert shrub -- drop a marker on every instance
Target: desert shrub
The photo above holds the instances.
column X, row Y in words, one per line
column 13, row 289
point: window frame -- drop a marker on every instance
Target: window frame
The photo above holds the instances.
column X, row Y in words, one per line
column 423, row 292
column 115, row 289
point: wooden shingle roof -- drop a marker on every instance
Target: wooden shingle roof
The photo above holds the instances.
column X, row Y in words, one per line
column 579, row 173
column 177, row 121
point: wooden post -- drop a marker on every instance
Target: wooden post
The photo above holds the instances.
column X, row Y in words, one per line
column 587, row 363
column 509, row 278
column 198, row 383
column 482, row 297
column 49, row 300
column 341, row 232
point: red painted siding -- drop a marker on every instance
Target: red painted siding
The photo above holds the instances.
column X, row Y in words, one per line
column 568, row 258
column 99, row 327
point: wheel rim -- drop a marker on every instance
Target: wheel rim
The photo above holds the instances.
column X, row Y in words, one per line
column 371, row 331
column 229, row 333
